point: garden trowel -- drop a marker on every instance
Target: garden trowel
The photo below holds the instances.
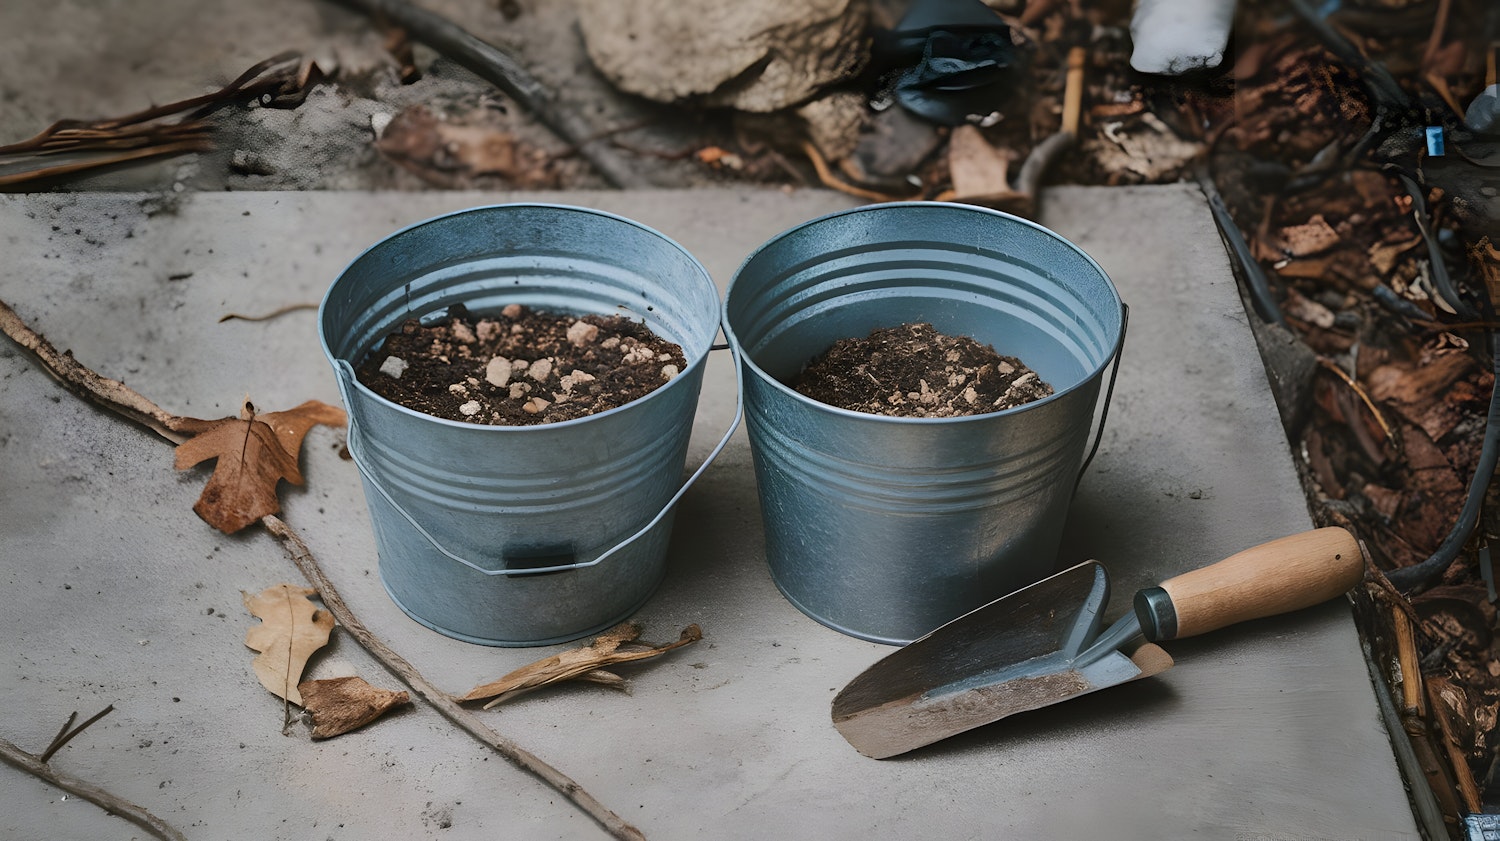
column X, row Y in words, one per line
column 1042, row 644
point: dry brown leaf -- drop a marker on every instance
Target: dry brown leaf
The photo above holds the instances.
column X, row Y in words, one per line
column 583, row 662
column 1312, row 237
column 1384, row 255
column 338, row 705
column 291, row 628
column 254, row 453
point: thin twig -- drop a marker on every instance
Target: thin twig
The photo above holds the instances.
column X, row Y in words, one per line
column 61, row 732
column 397, row 665
column 832, row 181
column 1435, row 40
column 90, row 792
column 112, row 395
column 1390, row 435
column 502, row 70
column 276, row 313
column 65, row 735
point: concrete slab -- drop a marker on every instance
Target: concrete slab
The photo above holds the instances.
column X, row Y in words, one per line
column 114, row 591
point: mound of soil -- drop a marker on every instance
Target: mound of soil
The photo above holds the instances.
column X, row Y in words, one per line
column 520, row 367
column 913, row 371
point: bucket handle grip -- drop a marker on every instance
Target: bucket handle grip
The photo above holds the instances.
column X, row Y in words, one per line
column 346, row 376
column 1109, row 393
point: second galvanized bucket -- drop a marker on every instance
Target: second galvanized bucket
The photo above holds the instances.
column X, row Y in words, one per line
column 885, row 528
column 522, row 535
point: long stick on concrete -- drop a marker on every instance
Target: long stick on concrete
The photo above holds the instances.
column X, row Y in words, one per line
column 440, row 700
column 124, row 401
column 501, row 70
column 113, row 804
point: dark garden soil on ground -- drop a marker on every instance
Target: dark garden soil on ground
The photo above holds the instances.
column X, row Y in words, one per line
column 520, row 367
column 913, row 371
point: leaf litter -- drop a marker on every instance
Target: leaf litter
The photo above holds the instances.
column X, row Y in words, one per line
column 255, row 452
column 291, row 630
column 617, row 645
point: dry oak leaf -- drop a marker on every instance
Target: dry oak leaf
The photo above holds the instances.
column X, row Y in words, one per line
column 583, row 663
column 255, row 452
column 338, row 705
column 290, row 630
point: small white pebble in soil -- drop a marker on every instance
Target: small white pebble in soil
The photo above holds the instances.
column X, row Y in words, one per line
column 394, row 367
column 668, row 371
column 575, row 378
column 519, row 366
column 637, row 355
column 1021, row 382
column 610, row 343
column 516, row 329
column 488, row 330
column 1004, row 367
column 471, row 381
column 970, row 395
column 540, row 370
column 581, row 333
column 519, row 390
column 462, row 332
column 663, row 357
column 511, row 311
column 497, row 372
column 535, row 404
column 470, row 408
column 459, row 389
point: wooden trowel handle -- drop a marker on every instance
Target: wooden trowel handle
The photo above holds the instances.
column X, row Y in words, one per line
column 1279, row 576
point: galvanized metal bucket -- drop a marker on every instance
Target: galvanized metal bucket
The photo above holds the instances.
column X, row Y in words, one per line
column 885, row 528
column 522, row 535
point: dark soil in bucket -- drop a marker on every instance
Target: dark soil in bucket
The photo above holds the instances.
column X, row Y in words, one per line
column 520, row 367
column 913, row 371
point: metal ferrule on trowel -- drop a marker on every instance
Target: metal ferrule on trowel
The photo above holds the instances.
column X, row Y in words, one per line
column 1041, row 644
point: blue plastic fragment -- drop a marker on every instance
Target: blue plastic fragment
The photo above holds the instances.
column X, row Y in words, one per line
column 1435, row 141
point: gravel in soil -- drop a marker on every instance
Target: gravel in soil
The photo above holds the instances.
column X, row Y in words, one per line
column 519, row 367
column 913, row 371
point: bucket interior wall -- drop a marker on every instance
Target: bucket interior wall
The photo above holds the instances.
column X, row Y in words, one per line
column 509, row 499
column 883, row 527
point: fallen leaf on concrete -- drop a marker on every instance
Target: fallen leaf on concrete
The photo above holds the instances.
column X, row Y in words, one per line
column 583, row 663
column 254, row 452
column 338, row 705
column 291, row 628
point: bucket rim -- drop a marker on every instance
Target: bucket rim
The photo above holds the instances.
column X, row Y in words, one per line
column 747, row 360
column 341, row 366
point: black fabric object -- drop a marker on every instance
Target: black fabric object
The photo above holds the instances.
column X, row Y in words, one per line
column 948, row 59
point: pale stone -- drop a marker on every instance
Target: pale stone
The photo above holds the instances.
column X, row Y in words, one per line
column 511, row 311
column 581, row 333
column 394, row 367
column 535, row 404
column 668, row 371
column 750, row 56
column 497, row 372
column 470, row 408
column 540, row 370
column 462, row 333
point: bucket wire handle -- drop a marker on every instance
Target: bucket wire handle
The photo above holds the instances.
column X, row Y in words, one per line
column 1109, row 393
column 346, row 375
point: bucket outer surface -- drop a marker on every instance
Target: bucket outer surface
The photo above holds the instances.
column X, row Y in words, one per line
column 492, row 534
column 885, row 528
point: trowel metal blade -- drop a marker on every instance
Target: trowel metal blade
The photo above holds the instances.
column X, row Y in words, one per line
column 1012, row 655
